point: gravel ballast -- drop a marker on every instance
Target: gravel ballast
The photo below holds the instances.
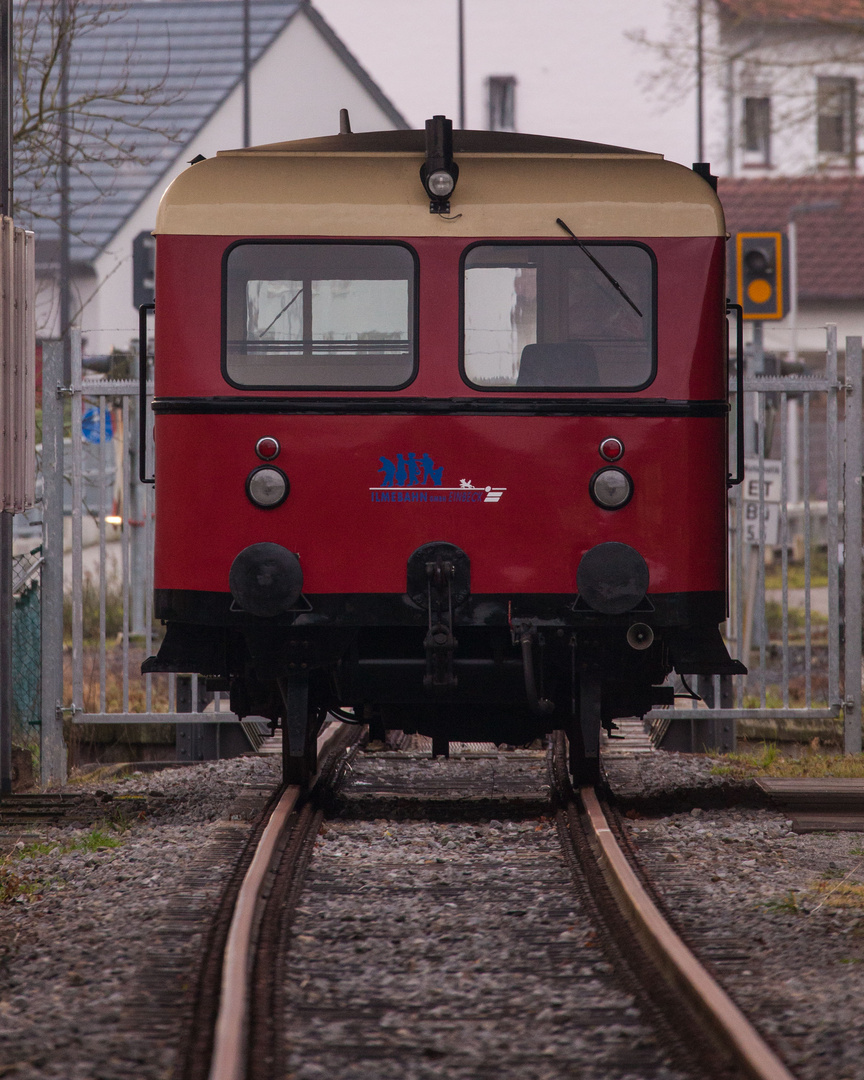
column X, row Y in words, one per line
column 96, row 960
column 778, row 917
column 96, row 956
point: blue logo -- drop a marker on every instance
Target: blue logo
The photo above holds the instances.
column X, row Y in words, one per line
column 410, row 471
column 407, row 480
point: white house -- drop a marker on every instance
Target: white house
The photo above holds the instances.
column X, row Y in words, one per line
column 301, row 75
column 779, row 76
column 782, row 79
column 782, row 83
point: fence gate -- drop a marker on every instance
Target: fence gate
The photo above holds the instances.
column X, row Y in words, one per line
column 796, row 625
column 794, row 563
column 95, row 506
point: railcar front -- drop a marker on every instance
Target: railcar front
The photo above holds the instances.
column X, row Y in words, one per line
column 441, row 430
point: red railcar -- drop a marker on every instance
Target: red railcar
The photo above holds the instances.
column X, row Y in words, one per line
column 441, row 427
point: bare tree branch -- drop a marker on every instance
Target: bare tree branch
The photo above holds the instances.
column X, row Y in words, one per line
column 769, row 49
column 112, row 118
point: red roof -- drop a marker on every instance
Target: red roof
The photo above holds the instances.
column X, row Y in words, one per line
column 830, row 242
column 833, row 11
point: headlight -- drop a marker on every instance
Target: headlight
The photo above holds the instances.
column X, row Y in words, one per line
column 267, row 486
column 611, row 488
column 440, row 183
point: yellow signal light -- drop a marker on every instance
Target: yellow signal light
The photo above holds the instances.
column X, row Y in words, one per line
column 759, row 291
column 760, row 264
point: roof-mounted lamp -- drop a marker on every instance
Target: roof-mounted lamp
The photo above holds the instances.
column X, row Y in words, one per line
column 439, row 172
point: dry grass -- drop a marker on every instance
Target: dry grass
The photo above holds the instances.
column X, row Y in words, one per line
column 114, row 680
column 18, row 884
column 769, row 761
column 839, row 894
column 113, row 655
column 15, row 886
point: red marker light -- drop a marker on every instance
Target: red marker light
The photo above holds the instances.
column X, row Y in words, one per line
column 267, row 449
column 611, row 449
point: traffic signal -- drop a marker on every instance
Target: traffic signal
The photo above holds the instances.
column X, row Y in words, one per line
column 143, row 269
column 760, row 266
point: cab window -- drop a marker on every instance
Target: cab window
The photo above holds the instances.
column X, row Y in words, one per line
column 319, row 315
column 547, row 317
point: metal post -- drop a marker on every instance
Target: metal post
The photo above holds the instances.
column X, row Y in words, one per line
column 730, row 117
column 792, row 235
column 6, row 598
column 793, row 420
column 74, row 337
column 53, row 755
column 700, row 81
column 64, row 284
column 6, row 614
column 833, row 529
column 136, row 515
column 852, row 548
column 247, row 94
column 461, row 12
column 6, row 107
column 755, row 366
column 758, row 359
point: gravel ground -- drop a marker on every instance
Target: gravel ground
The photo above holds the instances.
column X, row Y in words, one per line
column 779, row 917
column 97, row 954
column 450, row 950
column 651, row 778
column 97, row 950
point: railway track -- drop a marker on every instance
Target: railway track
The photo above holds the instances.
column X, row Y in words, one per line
column 390, row 928
column 70, row 808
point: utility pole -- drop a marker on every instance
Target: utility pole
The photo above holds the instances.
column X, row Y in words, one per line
column 700, row 84
column 247, row 59
column 6, row 598
column 64, row 284
column 461, row 10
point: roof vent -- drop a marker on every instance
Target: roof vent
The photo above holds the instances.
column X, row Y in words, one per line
column 344, row 122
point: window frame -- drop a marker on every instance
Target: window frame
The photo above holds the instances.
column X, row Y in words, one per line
column 759, row 155
column 557, row 390
column 847, row 86
column 319, row 242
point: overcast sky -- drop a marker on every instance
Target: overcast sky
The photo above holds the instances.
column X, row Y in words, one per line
column 578, row 75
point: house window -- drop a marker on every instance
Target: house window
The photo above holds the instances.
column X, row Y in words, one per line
column 502, row 102
column 757, row 130
column 835, row 115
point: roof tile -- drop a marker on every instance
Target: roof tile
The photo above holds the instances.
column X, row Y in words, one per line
column 833, row 11
column 193, row 51
column 830, row 242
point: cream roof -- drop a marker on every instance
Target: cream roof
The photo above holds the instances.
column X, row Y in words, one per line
column 510, row 185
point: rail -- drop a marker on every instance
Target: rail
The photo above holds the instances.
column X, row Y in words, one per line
column 229, row 1045
column 673, row 959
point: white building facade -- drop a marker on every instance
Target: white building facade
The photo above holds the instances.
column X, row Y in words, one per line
column 301, row 75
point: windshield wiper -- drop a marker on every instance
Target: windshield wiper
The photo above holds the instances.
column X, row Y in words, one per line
column 599, row 266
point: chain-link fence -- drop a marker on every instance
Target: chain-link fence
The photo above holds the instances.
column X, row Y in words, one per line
column 27, row 667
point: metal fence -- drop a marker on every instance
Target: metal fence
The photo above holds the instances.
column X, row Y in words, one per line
column 26, row 661
column 108, row 584
column 801, row 495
